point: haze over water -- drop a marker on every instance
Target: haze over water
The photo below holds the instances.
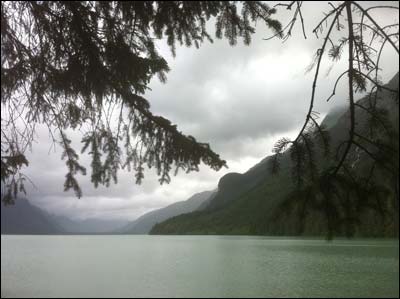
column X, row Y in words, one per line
column 196, row 266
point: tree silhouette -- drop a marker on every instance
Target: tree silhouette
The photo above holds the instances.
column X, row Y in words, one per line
column 334, row 184
column 72, row 64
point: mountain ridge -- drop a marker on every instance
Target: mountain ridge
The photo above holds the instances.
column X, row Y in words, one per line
column 248, row 207
column 144, row 224
column 25, row 218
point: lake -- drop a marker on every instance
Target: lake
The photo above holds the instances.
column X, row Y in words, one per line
column 197, row 266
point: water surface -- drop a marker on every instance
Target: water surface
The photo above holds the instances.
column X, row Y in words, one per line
column 196, row 266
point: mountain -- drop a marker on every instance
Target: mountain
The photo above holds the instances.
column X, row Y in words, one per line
column 88, row 226
column 143, row 224
column 247, row 203
column 25, row 218
column 332, row 117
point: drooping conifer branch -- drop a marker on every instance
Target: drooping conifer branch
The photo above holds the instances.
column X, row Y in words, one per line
column 90, row 59
column 339, row 194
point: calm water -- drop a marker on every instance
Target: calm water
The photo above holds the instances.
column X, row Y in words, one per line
column 196, row 266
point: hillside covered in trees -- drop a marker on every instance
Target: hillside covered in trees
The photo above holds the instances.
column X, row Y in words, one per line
column 256, row 202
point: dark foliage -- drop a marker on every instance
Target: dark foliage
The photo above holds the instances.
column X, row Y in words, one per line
column 86, row 64
column 338, row 188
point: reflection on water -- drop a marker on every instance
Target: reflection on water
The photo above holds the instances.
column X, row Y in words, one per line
column 196, row 266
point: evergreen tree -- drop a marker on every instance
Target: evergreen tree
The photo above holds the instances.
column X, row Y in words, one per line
column 73, row 64
column 330, row 179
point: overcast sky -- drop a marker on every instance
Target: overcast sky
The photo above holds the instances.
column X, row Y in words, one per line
column 239, row 99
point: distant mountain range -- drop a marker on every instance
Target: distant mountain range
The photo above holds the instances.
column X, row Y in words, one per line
column 88, row 226
column 247, row 203
column 26, row 218
column 144, row 224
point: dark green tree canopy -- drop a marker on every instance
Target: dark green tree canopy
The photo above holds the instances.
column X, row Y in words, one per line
column 87, row 64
